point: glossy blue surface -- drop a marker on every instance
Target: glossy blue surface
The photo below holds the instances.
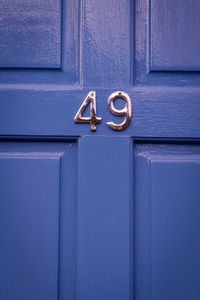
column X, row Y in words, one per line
column 104, row 245
column 167, row 43
column 30, row 34
column 40, row 42
column 29, row 226
column 38, row 216
column 167, row 222
column 157, row 112
column 174, row 35
column 105, row 215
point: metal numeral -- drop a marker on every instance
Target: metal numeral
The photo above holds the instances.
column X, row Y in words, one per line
column 93, row 120
column 126, row 111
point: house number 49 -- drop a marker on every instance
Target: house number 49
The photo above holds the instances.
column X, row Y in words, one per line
column 93, row 119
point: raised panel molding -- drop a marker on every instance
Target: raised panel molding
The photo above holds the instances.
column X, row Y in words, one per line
column 29, row 211
column 174, row 35
column 167, row 222
column 166, row 42
column 38, row 216
column 39, row 42
column 30, row 34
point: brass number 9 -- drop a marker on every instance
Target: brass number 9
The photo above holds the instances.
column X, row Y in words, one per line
column 126, row 111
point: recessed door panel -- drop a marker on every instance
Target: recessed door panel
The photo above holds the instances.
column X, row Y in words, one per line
column 167, row 222
column 32, row 225
column 39, row 41
column 30, row 34
column 174, row 35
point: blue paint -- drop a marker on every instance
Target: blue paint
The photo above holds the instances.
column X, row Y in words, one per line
column 29, row 212
column 38, row 220
column 166, row 43
column 167, row 222
column 159, row 112
column 104, row 219
column 39, row 42
column 174, row 35
column 30, row 34
column 98, row 215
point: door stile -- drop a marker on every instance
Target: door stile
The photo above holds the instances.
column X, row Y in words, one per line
column 104, row 205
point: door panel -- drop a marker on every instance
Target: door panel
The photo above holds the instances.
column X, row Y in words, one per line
column 30, row 34
column 35, row 247
column 167, row 225
column 39, row 42
column 175, row 41
column 167, row 43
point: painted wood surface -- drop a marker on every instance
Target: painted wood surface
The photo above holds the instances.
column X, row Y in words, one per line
column 38, row 216
column 160, row 112
column 104, row 207
column 176, row 24
column 40, row 42
column 30, row 34
column 85, row 209
column 166, row 222
column 174, row 35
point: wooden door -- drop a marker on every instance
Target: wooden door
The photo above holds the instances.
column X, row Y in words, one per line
column 106, row 214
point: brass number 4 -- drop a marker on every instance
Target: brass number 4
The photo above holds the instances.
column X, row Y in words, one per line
column 93, row 119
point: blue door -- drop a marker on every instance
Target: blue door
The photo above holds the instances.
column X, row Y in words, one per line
column 99, row 150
